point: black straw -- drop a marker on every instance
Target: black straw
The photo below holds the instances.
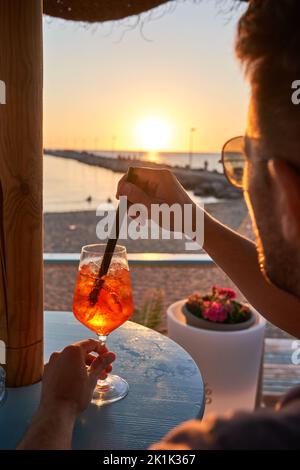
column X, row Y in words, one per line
column 108, row 254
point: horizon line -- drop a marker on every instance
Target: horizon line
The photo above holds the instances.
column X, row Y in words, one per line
column 147, row 152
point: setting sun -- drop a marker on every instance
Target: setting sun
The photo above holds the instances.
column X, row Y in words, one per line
column 153, row 134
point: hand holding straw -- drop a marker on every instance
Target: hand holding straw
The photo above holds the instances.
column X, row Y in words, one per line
column 108, row 254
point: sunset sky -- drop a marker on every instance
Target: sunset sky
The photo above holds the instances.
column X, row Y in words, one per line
column 108, row 88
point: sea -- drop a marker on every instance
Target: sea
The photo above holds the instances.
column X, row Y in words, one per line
column 70, row 185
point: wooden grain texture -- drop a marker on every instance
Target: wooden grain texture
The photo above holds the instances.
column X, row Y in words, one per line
column 21, row 275
column 165, row 388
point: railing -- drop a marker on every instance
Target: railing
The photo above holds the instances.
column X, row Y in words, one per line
column 164, row 259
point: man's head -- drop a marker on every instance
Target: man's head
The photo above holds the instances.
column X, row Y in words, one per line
column 268, row 44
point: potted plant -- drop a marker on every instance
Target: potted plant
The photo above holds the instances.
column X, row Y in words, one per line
column 218, row 310
column 225, row 338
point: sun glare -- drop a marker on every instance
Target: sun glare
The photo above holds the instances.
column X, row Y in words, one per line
column 153, row 134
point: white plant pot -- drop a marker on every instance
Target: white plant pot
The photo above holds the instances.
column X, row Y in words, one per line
column 229, row 361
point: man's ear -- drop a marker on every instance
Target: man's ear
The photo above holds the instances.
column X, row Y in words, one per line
column 287, row 183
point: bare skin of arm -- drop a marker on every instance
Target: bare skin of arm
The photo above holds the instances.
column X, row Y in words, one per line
column 237, row 257
column 50, row 429
column 68, row 384
column 234, row 254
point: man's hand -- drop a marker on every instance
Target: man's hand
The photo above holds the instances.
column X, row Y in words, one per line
column 67, row 388
column 71, row 375
column 149, row 186
column 152, row 186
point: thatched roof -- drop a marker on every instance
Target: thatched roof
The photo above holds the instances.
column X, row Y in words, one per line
column 99, row 10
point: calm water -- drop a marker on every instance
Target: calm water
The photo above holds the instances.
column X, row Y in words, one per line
column 68, row 183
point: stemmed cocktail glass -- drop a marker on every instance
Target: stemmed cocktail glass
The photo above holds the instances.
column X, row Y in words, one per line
column 113, row 307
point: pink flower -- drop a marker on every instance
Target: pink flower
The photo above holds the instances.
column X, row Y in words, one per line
column 226, row 292
column 215, row 312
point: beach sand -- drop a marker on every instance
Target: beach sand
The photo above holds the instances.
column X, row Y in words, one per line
column 68, row 232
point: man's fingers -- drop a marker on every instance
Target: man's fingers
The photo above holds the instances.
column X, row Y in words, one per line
column 121, row 182
column 103, row 375
column 89, row 345
column 126, row 178
column 134, row 194
column 91, row 357
column 101, row 363
column 54, row 356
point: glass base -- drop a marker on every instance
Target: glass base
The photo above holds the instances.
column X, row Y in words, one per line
column 112, row 389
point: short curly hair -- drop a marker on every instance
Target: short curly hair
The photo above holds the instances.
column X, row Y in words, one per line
column 268, row 45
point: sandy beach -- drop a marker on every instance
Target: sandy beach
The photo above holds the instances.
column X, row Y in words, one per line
column 68, row 232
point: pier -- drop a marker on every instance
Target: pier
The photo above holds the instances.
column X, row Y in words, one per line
column 202, row 182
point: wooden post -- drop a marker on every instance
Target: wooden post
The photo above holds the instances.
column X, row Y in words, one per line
column 21, row 241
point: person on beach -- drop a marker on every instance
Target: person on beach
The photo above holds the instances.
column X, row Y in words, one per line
column 267, row 44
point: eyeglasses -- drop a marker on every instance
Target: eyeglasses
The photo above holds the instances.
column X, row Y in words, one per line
column 234, row 160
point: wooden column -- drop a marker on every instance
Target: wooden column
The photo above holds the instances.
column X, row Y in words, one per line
column 21, row 241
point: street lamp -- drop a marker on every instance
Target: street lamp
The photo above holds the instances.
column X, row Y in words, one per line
column 113, row 145
column 192, row 130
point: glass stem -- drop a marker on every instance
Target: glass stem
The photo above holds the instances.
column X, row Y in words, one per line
column 102, row 341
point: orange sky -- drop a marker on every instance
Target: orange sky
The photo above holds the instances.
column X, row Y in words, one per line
column 145, row 88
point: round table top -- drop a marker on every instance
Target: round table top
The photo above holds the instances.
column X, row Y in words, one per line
column 165, row 389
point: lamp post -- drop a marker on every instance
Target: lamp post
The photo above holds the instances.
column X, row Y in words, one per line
column 192, row 131
column 113, row 145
